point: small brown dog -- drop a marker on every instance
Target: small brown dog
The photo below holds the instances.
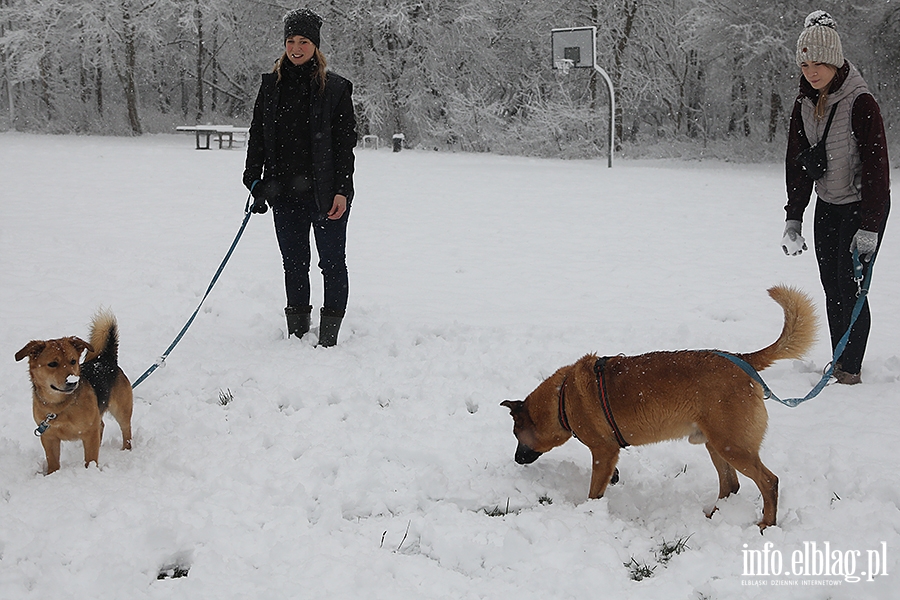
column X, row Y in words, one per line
column 633, row 400
column 69, row 398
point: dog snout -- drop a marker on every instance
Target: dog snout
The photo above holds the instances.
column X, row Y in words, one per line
column 525, row 455
column 69, row 385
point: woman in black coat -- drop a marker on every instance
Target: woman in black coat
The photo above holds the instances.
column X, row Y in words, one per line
column 300, row 162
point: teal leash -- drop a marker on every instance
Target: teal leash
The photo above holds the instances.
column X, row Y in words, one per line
column 863, row 279
column 162, row 359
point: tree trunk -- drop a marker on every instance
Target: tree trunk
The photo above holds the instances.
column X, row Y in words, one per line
column 214, row 73
column 198, row 20
column 631, row 10
column 740, row 117
column 11, row 94
column 44, row 85
column 774, row 113
column 393, row 73
column 694, row 95
column 10, row 86
column 127, row 74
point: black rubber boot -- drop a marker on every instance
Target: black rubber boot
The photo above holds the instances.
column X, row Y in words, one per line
column 297, row 320
column 329, row 325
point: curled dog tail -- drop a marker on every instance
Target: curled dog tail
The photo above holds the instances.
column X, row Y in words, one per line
column 104, row 338
column 798, row 334
column 101, row 366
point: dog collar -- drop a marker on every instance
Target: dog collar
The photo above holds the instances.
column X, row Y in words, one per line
column 45, row 424
column 599, row 371
column 59, row 406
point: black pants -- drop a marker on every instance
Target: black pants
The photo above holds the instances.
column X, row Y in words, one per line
column 293, row 218
column 835, row 226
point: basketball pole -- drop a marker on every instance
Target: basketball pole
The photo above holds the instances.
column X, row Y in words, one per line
column 612, row 113
column 567, row 51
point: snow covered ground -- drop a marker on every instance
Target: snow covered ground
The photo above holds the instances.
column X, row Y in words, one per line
column 383, row 467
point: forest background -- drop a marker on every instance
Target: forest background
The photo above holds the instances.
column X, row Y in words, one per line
column 695, row 78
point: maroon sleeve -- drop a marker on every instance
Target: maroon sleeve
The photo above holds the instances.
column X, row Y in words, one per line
column 868, row 128
column 799, row 185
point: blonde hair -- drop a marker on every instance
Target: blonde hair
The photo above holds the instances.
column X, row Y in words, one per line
column 318, row 73
column 819, row 113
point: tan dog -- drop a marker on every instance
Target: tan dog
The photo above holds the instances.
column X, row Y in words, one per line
column 635, row 400
column 70, row 398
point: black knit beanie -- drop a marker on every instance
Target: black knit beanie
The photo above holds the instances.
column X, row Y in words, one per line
column 302, row 21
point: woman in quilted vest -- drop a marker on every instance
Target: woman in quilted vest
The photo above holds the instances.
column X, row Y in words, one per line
column 300, row 162
column 853, row 194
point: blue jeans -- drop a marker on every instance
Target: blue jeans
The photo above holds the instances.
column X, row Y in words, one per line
column 293, row 216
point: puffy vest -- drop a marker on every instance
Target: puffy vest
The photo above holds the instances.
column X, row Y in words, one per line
column 841, row 183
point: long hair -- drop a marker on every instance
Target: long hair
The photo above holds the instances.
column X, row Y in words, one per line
column 819, row 113
column 318, row 75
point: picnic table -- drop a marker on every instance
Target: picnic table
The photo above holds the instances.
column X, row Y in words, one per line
column 225, row 134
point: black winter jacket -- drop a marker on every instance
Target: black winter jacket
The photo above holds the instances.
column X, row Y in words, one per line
column 333, row 136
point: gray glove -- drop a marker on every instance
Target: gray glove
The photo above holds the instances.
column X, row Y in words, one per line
column 792, row 242
column 864, row 242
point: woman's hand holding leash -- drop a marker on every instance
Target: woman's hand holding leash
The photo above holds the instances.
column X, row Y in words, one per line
column 864, row 242
column 258, row 191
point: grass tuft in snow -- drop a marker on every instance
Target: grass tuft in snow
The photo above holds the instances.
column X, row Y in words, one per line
column 497, row 511
column 225, row 397
column 669, row 549
column 173, row 572
column 638, row 571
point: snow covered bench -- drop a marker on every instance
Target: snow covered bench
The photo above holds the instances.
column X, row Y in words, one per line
column 224, row 134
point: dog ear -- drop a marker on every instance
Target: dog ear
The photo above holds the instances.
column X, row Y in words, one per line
column 80, row 345
column 514, row 406
column 32, row 348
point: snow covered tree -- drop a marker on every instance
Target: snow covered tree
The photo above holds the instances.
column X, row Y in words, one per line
column 456, row 74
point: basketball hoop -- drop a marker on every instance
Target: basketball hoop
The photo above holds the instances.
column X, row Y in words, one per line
column 563, row 65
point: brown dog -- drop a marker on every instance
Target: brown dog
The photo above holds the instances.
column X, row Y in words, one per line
column 69, row 398
column 633, row 400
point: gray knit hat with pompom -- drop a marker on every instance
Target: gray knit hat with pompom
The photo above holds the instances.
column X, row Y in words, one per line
column 819, row 42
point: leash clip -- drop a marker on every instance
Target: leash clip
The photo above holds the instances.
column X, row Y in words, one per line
column 858, row 273
column 44, row 425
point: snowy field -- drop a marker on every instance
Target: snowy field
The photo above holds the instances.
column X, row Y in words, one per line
column 383, row 468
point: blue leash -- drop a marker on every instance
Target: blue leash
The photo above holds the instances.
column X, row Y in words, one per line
column 862, row 281
column 162, row 359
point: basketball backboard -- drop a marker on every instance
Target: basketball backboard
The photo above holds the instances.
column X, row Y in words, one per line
column 575, row 44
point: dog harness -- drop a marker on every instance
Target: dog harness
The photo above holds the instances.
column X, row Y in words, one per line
column 563, row 419
column 599, row 367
